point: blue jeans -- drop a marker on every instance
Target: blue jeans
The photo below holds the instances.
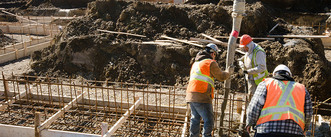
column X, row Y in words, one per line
column 204, row 110
column 276, row 135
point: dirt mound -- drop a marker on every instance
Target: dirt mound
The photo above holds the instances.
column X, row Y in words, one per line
column 81, row 50
column 5, row 40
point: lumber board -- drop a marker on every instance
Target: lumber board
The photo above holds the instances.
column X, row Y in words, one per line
column 205, row 41
column 254, row 38
column 117, row 125
column 183, row 41
column 22, row 53
column 30, row 29
column 215, row 40
column 12, row 100
column 298, row 36
column 49, row 121
column 115, row 32
column 20, row 131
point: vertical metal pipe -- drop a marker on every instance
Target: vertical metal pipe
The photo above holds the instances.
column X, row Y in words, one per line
column 237, row 15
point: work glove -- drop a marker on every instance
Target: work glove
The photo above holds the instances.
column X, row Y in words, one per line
column 241, row 64
column 245, row 72
column 230, row 69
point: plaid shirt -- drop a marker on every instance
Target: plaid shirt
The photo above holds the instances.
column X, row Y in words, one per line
column 282, row 126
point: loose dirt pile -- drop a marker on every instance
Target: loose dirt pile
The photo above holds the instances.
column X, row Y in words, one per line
column 81, row 50
column 5, row 40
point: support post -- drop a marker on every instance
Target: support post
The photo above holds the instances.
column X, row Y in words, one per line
column 237, row 15
column 5, row 84
column 37, row 124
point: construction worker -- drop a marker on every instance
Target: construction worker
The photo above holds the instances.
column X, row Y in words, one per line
column 200, row 90
column 280, row 106
column 253, row 63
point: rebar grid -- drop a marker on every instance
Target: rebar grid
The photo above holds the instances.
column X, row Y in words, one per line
column 162, row 113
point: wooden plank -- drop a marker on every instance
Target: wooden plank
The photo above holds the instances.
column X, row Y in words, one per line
column 215, row 40
column 117, row 125
column 20, row 131
column 254, row 38
column 205, row 41
column 114, row 32
column 298, row 36
column 11, row 101
column 18, row 16
column 183, row 41
column 50, row 120
column 21, row 53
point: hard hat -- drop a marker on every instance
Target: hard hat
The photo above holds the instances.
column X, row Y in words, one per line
column 244, row 40
column 213, row 47
column 281, row 67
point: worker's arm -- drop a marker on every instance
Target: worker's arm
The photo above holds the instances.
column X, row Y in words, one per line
column 261, row 63
column 308, row 110
column 217, row 73
column 255, row 106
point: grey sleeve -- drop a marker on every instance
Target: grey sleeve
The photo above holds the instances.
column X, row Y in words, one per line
column 261, row 63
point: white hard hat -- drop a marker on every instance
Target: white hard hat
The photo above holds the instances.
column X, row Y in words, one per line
column 281, row 67
column 214, row 47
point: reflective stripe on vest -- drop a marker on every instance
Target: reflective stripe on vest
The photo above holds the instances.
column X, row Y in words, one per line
column 260, row 76
column 197, row 75
column 281, row 104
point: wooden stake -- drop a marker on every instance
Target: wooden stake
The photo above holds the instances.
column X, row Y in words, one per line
column 108, row 31
column 239, row 105
column 183, row 41
column 37, row 124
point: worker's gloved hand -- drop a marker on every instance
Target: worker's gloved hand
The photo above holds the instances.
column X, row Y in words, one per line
column 245, row 72
column 241, row 64
column 230, row 69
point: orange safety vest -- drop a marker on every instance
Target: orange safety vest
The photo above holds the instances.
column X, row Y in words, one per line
column 200, row 77
column 285, row 100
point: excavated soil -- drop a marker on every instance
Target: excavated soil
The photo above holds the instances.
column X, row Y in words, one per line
column 81, row 50
column 5, row 40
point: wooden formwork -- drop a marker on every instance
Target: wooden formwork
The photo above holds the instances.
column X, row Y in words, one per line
column 81, row 107
column 44, row 106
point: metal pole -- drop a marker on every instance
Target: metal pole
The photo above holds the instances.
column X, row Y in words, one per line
column 237, row 15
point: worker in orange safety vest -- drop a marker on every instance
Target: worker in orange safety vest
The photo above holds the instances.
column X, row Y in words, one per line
column 200, row 90
column 280, row 107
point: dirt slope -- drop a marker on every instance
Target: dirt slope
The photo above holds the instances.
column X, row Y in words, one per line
column 81, row 50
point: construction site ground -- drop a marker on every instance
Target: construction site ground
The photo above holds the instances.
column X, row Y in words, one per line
column 152, row 44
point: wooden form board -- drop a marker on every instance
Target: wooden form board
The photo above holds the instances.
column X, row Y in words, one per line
column 119, row 122
column 11, row 101
column 19, row 131
column 23, row 52
column 49, row 121
column 24, row 44
column 31, row 29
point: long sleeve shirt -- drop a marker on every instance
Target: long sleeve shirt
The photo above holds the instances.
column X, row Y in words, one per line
column 282, row 126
